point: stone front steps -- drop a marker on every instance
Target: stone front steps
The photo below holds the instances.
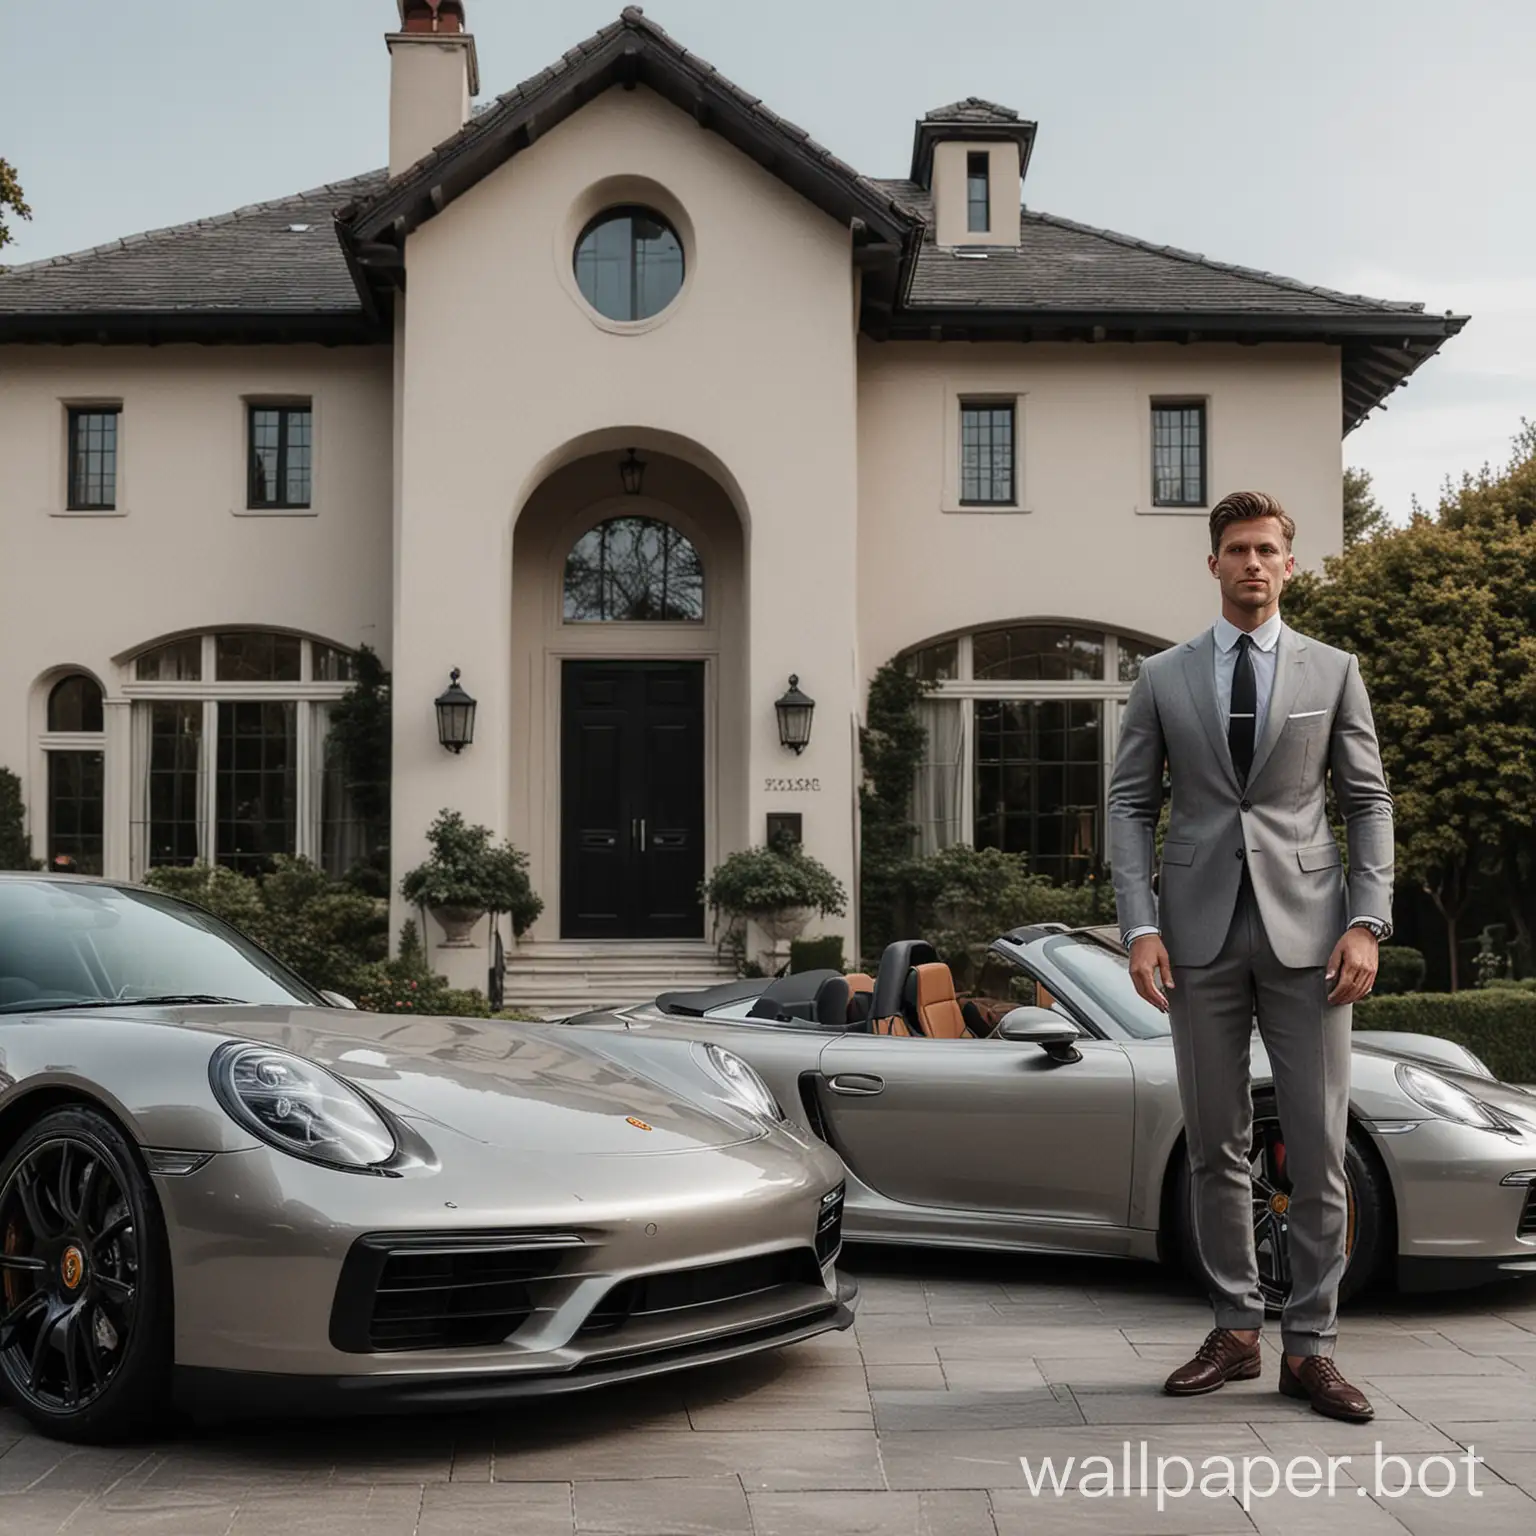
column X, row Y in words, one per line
column 554, row 978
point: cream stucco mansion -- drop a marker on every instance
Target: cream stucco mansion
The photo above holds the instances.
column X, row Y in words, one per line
column 630, row 401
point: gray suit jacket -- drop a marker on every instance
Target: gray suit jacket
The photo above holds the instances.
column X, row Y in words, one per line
column 1319, row 723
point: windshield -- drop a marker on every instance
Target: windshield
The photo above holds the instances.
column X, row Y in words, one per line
column 63, row 943
column 1105, row 975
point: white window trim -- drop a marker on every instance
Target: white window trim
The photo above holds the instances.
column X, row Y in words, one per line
column 306, row 694
column 955, row 397
column 242, row 490
column 966, row 688
column 1144, row 505
column 68, row 741
column 73, row 741
column 61, row 506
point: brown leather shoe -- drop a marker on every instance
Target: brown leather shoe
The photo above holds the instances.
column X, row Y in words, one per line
column 1222, row 1358
column 1320, row 1382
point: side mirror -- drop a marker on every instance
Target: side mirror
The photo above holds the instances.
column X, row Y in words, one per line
column 336, row 1000
column 1055, row 1035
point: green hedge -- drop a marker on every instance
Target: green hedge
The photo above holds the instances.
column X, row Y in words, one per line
column 1401, row 969
column 1499, row 1024
column 824, row 953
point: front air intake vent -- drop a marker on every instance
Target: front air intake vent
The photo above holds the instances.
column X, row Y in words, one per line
column 678, row 1290
column 436, row 1291
column 829, row 1225
column 1527, row 1227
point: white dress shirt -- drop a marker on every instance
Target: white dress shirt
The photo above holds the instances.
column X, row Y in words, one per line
column 1266, row 639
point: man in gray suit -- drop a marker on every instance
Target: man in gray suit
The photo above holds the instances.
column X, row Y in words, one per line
column 1253, row 917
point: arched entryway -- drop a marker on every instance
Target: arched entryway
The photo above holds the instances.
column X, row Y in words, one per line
column 628, row 676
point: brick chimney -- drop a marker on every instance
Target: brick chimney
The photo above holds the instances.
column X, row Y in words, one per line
column 433, row 73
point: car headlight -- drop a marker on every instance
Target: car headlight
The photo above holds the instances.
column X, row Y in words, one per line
column 1445, row 1099
column 300, row 1108
column 743, row 1087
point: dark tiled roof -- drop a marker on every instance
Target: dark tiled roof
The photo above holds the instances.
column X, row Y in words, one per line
column 974, row 109
column 1064, row 265
column 248, row 261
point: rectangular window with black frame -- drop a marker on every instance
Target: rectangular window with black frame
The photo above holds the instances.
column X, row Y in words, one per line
column 1178, row 453
column 986, row 454
column 978, row 202
column 280, row 438
column 93, row 458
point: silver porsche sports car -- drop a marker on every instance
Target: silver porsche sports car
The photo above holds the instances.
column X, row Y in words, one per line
column 1042, row 1114
column 215, row 1188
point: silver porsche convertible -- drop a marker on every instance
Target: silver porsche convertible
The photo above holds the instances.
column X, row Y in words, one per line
column 215, row 1188
column 1041, row 1113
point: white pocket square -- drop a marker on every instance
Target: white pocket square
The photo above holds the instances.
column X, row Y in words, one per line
column 1306, row 714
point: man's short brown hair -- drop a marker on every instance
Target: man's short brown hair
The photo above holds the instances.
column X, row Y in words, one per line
column 1243, row 507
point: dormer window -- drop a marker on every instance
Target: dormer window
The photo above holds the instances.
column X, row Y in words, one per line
column 971, row 156
column 978, row 206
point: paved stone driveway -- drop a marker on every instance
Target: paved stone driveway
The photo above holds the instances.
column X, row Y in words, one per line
column 911, row 1425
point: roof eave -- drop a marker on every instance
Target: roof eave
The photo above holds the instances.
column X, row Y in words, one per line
column 1264, row 325
column 198, row 327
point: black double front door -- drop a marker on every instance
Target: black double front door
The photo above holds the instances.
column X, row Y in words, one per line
column 632, row 799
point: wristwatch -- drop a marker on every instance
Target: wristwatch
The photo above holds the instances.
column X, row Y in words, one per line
column 1381, row 930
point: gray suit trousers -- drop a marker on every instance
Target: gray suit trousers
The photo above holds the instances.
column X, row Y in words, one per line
column 1211, row 1010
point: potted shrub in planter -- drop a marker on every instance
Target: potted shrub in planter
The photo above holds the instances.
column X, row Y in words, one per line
column 466, row 876
column 777, row 888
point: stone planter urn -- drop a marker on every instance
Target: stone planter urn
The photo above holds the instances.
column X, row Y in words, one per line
column 457, row 923
column 784, row 924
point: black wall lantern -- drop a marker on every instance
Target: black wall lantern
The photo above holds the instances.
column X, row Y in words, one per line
column 632, row 473
column 455, row 715
column 794, row 711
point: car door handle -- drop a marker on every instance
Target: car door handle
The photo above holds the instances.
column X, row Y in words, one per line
column 856, row 1082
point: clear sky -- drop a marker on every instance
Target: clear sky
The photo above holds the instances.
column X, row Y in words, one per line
column 1378, row 146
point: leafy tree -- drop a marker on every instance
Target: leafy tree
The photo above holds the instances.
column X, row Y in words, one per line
column 1364, row 516
column 10, row 197
column 1498, row 510
column 15, row 846
column 891, row 745
column 358, row 743
column 1442, row 614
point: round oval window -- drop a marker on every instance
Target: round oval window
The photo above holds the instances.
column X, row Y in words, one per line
column 629, row 263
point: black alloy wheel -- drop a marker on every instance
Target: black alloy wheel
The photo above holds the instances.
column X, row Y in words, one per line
column 1367, row 1204
column 84, row 1299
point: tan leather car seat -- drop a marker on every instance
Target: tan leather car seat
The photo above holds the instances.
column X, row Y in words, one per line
column 938, row 1011
column 861, row 995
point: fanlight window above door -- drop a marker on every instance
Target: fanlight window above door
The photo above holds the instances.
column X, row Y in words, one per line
column 635, row 570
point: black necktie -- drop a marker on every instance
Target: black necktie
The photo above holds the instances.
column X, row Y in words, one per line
column 1245, row 704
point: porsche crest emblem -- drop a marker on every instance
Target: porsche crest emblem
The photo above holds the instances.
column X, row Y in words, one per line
column 72, row 1267
column 639, row 1125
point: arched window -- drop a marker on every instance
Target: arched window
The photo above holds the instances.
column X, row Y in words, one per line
column 1022, row 721
column 74, row 704
column 633, row 570
column 230, row 760
column 76, row 775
